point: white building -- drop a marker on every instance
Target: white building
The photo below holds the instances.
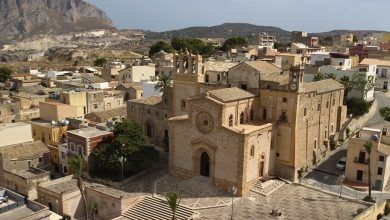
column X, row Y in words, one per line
column 368, row 71
column 136, row 74
column 318, row 57
column 382, row 72
column 95, row 82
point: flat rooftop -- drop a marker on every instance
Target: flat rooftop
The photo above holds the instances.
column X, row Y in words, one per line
column 61, row 186
column 4, row 126
column 89, row 132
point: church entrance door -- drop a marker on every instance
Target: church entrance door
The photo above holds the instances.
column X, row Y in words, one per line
column 205, row 165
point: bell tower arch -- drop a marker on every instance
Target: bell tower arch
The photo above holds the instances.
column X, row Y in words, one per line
column 187, row 75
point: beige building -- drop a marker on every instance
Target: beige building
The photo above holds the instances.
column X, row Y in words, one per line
column 22, row 167
column 131, row 91
column 55, row 111
column 357, row 158
column 136, row 74
column 15, row 133
column 278, row 126
column 77, row 99
column 63, row 197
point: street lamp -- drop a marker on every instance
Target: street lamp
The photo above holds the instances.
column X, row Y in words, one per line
column 122, row 160
column 233, row 191
column 340, row 180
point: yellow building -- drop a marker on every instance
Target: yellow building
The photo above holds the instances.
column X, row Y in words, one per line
column 356, row 171
column 51, row 135
column 78, row 99
column 55, row 111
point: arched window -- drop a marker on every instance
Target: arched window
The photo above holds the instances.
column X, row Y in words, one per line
column 315, row 144
column 231, row 121
column 252, row 152
column 252, row 115
column 149, row 129
column 242, row 118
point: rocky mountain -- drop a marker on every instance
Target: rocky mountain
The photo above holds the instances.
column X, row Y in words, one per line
column 24, row 18
column 225, row 30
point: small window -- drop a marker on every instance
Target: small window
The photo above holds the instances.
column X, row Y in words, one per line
column 331, row 128
column 218, row 77
column 157, row 114
column 252, row 153
column 95, row 106
column 380, row 170
column 381, row 158
column 304, row 112
column 165, row 101
column 252, row 115
column 327, row 104
column 166, row 115
column 183, row 104
column 334, row 102
column 326, row 134
column 277, row 154
column 315, row 144
column 133, row 108
column 231, row 121
column 149, row 111
column 319, row 107
column 242, row 118
column 284, row 99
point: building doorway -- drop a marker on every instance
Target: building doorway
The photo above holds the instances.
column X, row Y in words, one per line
column 205, row 165
column 261, row 169
column 385, row 85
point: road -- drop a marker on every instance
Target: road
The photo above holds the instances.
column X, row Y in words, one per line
column 325, row 175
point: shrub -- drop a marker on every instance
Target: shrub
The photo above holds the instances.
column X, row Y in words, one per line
column 358, row 107
column 333, row 144
column 301, row 172
column 385, row 113
column 348, row 131
column 368, row 199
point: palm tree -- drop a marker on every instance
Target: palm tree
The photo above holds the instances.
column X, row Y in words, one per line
column 173, row 200
column 318, row 77
column 348, row 84
column 331, row 76
column 368, row 147
column 75, row 164
column 163, row 82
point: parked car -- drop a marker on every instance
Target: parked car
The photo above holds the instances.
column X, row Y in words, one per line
column 341, row 163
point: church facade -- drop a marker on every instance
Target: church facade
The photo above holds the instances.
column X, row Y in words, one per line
column 261, row 122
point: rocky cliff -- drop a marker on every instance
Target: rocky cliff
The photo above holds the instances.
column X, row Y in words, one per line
column 24, row 18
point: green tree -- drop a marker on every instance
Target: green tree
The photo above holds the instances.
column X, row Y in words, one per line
column 75, row 164
column 318, row 77
column 159, row 46
column 385, row 113
column 193, row 45
column 93, row 209
column 5, row 73
column 362, row 83
column 100, row 61
column 234, row 42
column 355, row 39
column 163, row 82
column 368, row 147
column 173, row 200
column 348, row 85
column 129, row 141
column 331, row 76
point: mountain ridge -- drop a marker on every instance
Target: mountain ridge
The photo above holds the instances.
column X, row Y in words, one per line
column 24, row 18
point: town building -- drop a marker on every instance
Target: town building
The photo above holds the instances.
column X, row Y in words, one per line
column 136, row 74
column 84, row 140
column 56, row 111
column 23, row 166
column 95, row 82
column 382, row 81
column 111, row 70
column 262, row 39
column 131, row 91
column 356, row 170
column 344, row 40
column 113, row 115
column 278, row 126
column 304, row 38
column 163, row 63
column 17, row 208
column 77, row 99
column 15, row 133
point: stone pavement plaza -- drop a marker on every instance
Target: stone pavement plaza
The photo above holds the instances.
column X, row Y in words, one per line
column 294, row 201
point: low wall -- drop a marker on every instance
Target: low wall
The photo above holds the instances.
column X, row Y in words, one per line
column 373, row 211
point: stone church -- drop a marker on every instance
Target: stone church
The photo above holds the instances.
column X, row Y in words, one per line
column 260, row 122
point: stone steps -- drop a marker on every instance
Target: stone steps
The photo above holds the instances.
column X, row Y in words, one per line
column 156, row 209
column 198, row 186
column 268, row 187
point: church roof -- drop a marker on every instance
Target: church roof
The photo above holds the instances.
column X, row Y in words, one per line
column 218, row 66
column 230, row 94
column 151, row 100
column 322, row 86
column 263, row 66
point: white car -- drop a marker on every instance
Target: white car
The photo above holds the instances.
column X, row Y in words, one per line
column 341, row 163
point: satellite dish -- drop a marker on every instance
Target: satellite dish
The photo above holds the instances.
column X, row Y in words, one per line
column 53, row 122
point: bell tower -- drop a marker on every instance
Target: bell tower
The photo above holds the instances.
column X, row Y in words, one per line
column 187, row 75
column 295, row 78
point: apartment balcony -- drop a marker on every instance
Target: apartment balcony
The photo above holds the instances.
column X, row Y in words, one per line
column 365, row 161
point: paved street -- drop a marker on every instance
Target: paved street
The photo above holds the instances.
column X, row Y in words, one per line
column 325, row 175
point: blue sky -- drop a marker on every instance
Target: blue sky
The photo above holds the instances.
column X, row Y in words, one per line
column 305, row 15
